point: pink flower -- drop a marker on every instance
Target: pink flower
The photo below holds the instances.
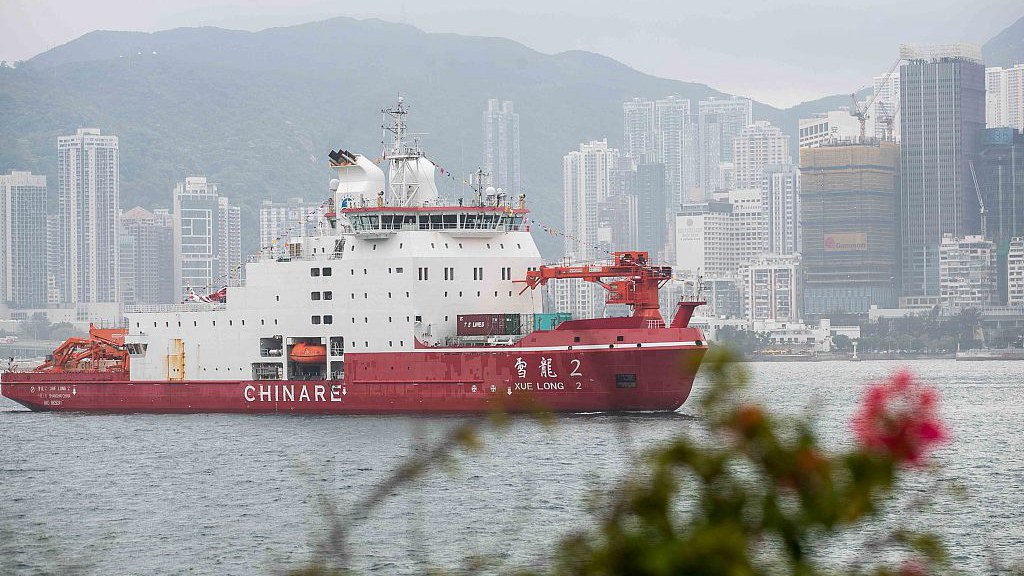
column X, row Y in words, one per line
column 899, row 417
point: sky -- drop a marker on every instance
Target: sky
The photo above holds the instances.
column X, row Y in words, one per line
column 780, row 52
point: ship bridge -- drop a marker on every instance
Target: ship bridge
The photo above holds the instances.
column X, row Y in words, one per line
column 457, row 221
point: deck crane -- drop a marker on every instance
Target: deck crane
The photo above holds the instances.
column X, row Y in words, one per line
column 638, row 285
column 104, row 349
column 861, row 112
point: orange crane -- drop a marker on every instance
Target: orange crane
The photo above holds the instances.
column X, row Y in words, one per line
column 103, row 350
column 638, row 286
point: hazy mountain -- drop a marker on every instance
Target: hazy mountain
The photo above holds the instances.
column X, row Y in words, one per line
column 1006, row 48
column 257, row 112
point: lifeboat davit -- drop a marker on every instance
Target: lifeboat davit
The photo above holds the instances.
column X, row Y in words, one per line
column 303, row 353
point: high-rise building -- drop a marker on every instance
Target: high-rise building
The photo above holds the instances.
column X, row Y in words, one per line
column 23, row 240
column 732, row 115
column 780, row 187
column 675, row 134
column 942, row 109
column 501, row 147
column 1004, row 97
column 231, row 242
column 717, row 238
column 709, row 154
column 585, row 185
column 1015, row 272
column 967, row 272
column 89, row 202
column 282, row 221
column 207, row 238
column 147, row 257
column 651, row 209
column 1000, row 173
column 771, row 288
column 54, row 259
column 639, row 127
column 755, row 147
column 848, row 227
column 835, row 127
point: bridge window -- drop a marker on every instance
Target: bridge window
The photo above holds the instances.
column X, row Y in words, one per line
column 314, row 295
column 327, row 271
column 328, row 319
column 314, row 271
column 315, row 319
column 328, row 295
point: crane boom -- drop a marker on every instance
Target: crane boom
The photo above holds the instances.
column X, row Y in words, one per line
column 637, row 286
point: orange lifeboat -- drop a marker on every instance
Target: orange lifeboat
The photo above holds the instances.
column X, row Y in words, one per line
column 303, row 353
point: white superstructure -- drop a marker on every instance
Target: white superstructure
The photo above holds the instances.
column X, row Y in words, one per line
column 391, row 262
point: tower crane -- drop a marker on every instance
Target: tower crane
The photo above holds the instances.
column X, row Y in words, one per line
column 861, row 112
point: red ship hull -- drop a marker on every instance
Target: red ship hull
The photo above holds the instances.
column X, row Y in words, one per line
column 590, row 378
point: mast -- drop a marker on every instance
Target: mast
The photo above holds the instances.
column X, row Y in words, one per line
column 402, row 158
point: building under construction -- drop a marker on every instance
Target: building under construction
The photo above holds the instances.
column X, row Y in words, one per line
column 849, row 235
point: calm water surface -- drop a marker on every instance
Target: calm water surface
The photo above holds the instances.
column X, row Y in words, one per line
column 231, row 494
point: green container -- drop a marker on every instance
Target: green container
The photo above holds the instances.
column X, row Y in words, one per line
column 550, row 320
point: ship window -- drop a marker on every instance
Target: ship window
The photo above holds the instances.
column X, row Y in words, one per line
column 231, row 322
column 374, row 246
column 167, row 324
column 353, row 295
column 328, row 295
column 214, row 322
column 195, row 323
column 179, row 324
column 406, row 294
column 351, row 271
column 445, row 294
column 477, row 293
column 365, row 296
column 399, row 270
column 315, row 319
column 275, row 321
column 314, row 271
column 389, row 319
column 520, row 246
column 328, row 319
column 502, row 246
column 263, row 322
column 576, row 339
column 314, row 295
column 366, row 320
column 391, row 343
column 495, row 293
column 353, row 249
column 278, row 298
column 353, row 320
column 625, row 380
column 419, row 318
column 460, row 244
column 400, row 244
column 364, row 271
column 618, row 338
column 327, row 271
column 460, row 293
column 488, row 246
column 389, row 294
column 366, row 344
column 401, row 342
column 432, row 245
column 154, row 324
column 509, row 293
column 445, row 244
